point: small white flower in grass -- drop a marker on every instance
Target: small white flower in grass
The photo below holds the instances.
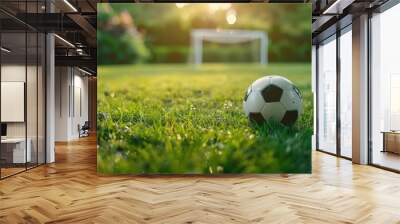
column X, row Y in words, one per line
column 127, row 129
column 228, row 104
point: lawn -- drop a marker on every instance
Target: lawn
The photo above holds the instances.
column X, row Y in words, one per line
column 185, row 119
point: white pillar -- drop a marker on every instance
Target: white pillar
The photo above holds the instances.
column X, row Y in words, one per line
column 263, row 49
column 197, row 44
column 50, row 93
column 360, row 90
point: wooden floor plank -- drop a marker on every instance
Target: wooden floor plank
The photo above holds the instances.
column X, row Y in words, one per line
column 70, row 191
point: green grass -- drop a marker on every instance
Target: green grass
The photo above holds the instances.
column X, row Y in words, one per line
column 182, row 119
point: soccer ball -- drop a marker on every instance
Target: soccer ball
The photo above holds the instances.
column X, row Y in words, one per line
column 273, row 98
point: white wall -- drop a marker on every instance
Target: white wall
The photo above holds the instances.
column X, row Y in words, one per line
column 70, row 83
column 62, row 81
column 81, row 88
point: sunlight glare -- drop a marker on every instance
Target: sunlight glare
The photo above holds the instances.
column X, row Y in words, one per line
column 231, row 17
column 214, row 7
column 180, row 5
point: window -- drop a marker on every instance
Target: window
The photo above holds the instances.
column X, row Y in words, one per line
column 346, row 92
column 327, row 95
column 385, row 89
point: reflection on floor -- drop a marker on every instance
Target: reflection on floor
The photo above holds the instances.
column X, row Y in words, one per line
column 387, row 159
column 11, row 169
column 71, row 191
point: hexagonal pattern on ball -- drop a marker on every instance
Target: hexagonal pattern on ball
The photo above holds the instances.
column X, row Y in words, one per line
column 291, row 100
column 272, row 93
column 290, row 117
column 260, row 83
column 273, row 111
column 281, row 82
column 254, row 102
column 256, row 117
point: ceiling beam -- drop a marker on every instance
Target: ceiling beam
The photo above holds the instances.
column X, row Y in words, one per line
column 82, row 61
column 83, row 23
column 49, row 22
column 337, row 7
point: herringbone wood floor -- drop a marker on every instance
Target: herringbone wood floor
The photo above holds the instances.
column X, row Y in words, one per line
column 70, row 191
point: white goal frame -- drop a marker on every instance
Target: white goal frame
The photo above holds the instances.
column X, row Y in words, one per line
column 198, row 36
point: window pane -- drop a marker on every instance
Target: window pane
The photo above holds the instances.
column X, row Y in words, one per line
column 327, row 96
column 14, row 150
column 385, row 89
column 31, row 97
column 41, row 99
column 346, row 94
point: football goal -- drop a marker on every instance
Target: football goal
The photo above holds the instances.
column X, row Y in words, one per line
column 223, row 36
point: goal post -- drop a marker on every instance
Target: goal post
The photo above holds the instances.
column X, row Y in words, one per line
column 198, row 36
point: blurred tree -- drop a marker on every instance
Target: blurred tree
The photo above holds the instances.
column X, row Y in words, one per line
column 119, row 41
column 166, row 29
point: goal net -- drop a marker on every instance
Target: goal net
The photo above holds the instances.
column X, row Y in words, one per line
column 199, row 36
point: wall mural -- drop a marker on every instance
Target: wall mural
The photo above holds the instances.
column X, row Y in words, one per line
column 204, row 88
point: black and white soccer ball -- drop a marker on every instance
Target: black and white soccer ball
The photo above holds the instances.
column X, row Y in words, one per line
column 273, row 98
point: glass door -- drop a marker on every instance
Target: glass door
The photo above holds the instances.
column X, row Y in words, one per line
column 14, row 153
column 22, row 78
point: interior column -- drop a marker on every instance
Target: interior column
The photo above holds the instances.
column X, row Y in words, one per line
column 360, row 90
column 50, row 92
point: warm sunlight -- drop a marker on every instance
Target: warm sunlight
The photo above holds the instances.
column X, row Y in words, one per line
column 180, row 5
column 214, row 7
column 231, row 17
